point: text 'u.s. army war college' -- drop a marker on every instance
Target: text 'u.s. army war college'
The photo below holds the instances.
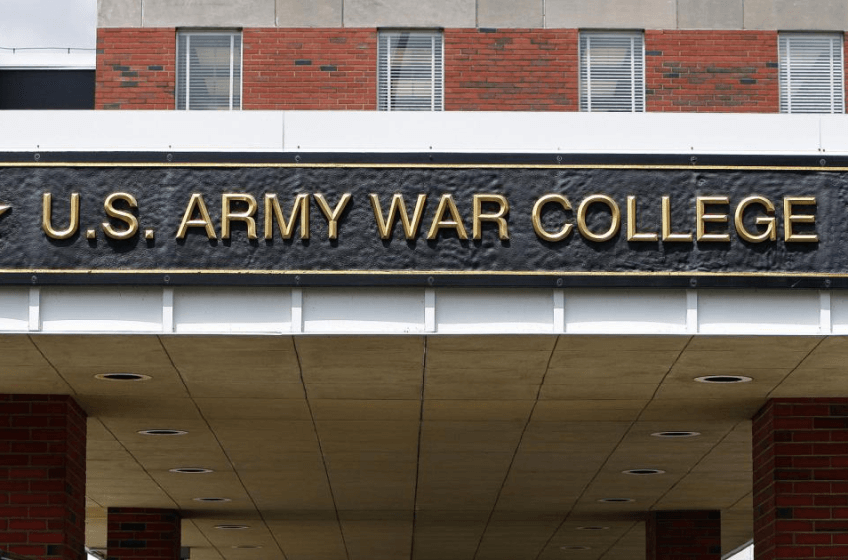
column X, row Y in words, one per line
column 596, row 217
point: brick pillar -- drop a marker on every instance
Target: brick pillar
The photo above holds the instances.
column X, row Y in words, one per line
column 683, row 535
column 143, row 534
column 801, row 479
column 42, row 476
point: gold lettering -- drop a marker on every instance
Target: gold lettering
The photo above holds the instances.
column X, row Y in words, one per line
column 196, row 204
column 632, row 234
column 537, row 218
column 615, row 217
column 246, row 216
column 768, row 220
column 332, row 215
column 703, row 217
column 122, row 215
column 499, row 217
column 790, row 218
column 47, row 217
column 446, row 204
column 667, row 234
column 273, row 210
column 398, row 207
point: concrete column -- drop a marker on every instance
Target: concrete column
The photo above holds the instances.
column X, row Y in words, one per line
column 683, row 535
column 143, row 534
column 801, row 479
column 42, row 476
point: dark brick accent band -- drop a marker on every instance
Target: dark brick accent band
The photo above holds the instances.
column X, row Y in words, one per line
column 42, row 476
column 136, row 68
column 711, row 71
column 801, row 479
column 511, row 70
column 683, row 535
column 143, row 534
column 287, row 69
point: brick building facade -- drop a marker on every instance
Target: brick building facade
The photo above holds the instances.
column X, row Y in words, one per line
column 486, row 69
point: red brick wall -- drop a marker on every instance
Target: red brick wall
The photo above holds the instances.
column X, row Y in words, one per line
column 801, row 479
column 683, row 535
column 136, row 68
column 485, row 69
column 511, row 70
column 711, row 71
column 42, row 476
column 143, row 534
column 310, row 69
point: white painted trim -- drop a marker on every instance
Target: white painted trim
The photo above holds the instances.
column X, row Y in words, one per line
column 167, row 310
column 559, row 311
column 826, row 324
column 691, row 311
column 296, row 311
column 397, row 311
column 34, row 309
column 404, row 132
column 430, row 310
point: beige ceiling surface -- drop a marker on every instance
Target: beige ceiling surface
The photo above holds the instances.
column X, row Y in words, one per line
column 421, row 448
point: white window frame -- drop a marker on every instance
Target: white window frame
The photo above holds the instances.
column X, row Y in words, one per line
column 184, row 62
column 792, row 72
column 386, row 81
column 587, row 68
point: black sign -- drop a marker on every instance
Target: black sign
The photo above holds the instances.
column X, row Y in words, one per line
column 424, row 224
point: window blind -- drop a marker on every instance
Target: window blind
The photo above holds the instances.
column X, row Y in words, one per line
column 811, row 73
column 209, row 71
column 612, row 72
column 410, row 71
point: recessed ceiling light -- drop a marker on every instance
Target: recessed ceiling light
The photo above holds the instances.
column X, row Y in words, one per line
column 217, row 500
column 616, row 500
column 575, row 548
column 676, row 434
column 122, row 376
column 723, row 379
column 592, row 528
column 643, row 472
column 232, row 527
column 162, row 432
column 245, row 546
column 191, row 470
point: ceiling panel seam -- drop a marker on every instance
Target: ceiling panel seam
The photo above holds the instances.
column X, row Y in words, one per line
column 698, row 462
column 320, row 447
column 794, row 369
column 515, row 451
column 137, row 462
column 418, row 449
column 53, row 367
column 223, row 450
column 611, row 453
column 620, row 538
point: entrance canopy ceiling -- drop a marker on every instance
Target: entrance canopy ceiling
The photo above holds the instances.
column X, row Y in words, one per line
column 426, row 447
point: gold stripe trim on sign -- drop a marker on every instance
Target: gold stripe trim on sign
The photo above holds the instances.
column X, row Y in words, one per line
column 429, row 165
column 236, row 272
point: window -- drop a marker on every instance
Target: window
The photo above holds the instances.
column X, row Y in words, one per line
column 811, row 73
column 209, row 70
column 612, row 72
column 410, row 71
